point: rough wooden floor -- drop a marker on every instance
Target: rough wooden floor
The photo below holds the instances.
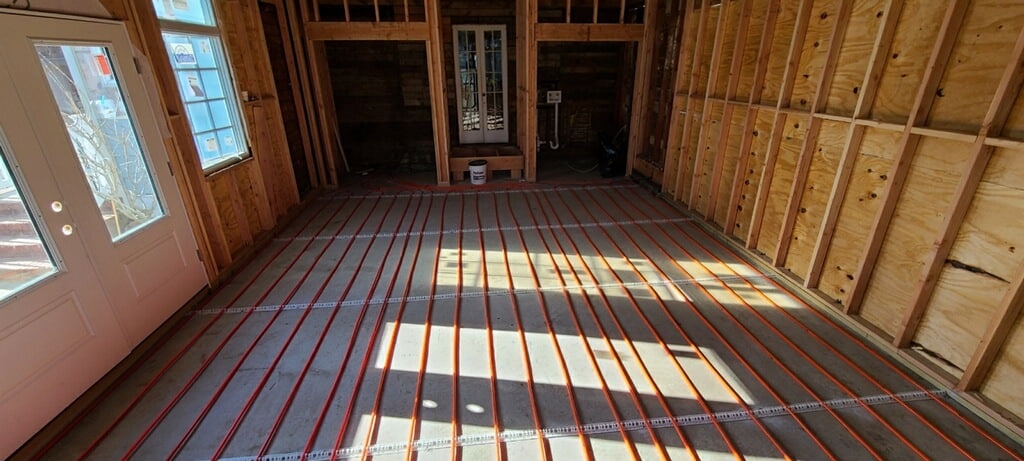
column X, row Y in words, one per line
column 527, row 322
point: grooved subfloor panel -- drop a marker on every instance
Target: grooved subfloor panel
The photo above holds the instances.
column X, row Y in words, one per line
column 572, row 322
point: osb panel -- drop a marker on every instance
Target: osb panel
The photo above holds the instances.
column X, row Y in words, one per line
column 728, row 45
column 758, row 14
column 713, row 129
column 690, row 141
column 779, row 52
column 985, row 40
column 729, row 164
column 793, row 134
column 222, row 188
column 814, row 53
column 761, row 132
column 1003, row 383
column 854, row 53
column 911, row 47
column 831, row 139
column 933, row 178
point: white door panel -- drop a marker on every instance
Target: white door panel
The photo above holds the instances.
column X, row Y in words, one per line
column 150, row 269
column 58, row 334
column 112, row 255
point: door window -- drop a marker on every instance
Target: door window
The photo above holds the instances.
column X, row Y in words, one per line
column 88, row 94
column 24, row 256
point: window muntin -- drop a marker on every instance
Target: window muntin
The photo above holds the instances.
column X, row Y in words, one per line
column 202, row 72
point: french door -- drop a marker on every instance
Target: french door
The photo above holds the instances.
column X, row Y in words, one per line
column 481, row 85
column 101, row 225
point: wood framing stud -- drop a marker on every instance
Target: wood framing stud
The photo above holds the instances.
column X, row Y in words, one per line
column 677, row 113
column 940, row 56
column 855, row 135
column 778, row 124
column 438, row 97
column 995, row 335
column 557, row 32
column 803, row 166
column 709, row 91
column 760, row 71
column 641, row 84
column 404, row 31
column 995, row 118
column 727, row 113
column 688, row 117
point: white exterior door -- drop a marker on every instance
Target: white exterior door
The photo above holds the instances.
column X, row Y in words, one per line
column 114, row 255
column 481, row 86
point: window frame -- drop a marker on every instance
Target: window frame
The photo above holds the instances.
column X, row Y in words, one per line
column 231, row 92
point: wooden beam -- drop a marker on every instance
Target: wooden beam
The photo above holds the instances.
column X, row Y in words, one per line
column 663, row 99
column 438, row 97
column 305, row 85
column 642, row 84
column 760, row 71
column 288, row 44
column 207, row 224
column 404, row 31
column 702, row 23
column 730, row 93
column 778, row 126
column 854, row 138
column 710, row 88
column 558, row 32
column 526, row 83
column 998, row 111
column 946, row 38
column 803, row 166
column 324, row 97
column 995, row 335
column 679, row 97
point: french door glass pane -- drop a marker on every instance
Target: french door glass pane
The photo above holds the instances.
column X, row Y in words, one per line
column 24, row 258
column 470, row 103
column 85, row 87
column 495, row 87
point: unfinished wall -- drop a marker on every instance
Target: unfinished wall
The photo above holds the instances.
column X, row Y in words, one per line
column 381, row 91
column 589, row 75
column 233, row 208
column 874, row 151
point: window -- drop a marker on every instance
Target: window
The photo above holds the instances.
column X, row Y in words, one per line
column 201, row 69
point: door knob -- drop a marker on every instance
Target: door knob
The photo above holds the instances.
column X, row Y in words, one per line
column 56, row 206
column 67, row 229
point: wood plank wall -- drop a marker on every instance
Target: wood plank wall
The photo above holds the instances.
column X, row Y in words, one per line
column 874, row 153
column 235, row 208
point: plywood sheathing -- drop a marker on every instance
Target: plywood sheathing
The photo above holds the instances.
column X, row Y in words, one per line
column 869, row 164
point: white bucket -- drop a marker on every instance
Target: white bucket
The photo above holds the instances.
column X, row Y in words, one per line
column 478, row 172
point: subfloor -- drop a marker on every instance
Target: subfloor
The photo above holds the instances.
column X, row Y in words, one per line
column 520, row 321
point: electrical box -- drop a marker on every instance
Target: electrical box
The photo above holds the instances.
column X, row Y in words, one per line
column 554, row 97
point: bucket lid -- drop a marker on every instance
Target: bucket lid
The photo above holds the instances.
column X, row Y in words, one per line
column 478, row 162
